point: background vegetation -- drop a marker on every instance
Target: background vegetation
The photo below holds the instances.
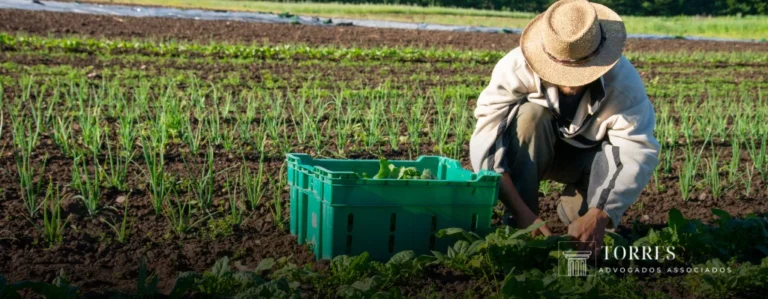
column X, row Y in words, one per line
column 738, row 27
column 629, row 7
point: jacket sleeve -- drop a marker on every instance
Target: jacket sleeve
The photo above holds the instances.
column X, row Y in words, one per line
column 627, row 162
column 495, row 106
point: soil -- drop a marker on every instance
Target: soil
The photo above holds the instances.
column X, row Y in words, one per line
column 57, row 24
column 95, row 261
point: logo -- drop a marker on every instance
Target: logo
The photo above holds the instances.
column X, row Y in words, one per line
column 574, row 262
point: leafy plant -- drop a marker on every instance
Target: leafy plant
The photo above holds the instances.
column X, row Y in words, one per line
column 221, row 281
column 390, row 171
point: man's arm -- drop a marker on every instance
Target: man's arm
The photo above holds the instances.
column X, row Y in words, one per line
column 620, row 173
column 524, row 217
column 507, row 87
column 630, row 160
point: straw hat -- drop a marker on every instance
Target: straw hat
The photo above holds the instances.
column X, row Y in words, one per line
column 574, row 42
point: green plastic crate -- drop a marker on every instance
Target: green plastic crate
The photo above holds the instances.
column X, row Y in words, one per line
column 338, row 212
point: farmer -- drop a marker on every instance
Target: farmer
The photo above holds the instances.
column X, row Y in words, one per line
column 567, row 106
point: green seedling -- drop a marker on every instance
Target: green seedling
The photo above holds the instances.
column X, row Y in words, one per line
column 53, row 225
column 179, row 213
column 203, row 185
column 121, row 230
column 253, row 184
column 62, row 134
column 155, row 161
column 713, row 175
column 235, row 210
column 117, row 164
column 733, row 165
column 86, row 183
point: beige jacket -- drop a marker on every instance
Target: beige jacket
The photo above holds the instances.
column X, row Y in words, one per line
column 621, row 120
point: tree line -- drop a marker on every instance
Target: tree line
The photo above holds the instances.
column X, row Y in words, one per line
column 624, row 7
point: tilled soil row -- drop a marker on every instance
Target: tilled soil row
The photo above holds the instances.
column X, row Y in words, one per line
column 59, row 24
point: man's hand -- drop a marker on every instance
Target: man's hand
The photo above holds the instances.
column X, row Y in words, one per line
column 525, row 220
column 590, row 228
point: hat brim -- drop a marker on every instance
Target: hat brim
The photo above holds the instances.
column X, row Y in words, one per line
column 582, row 74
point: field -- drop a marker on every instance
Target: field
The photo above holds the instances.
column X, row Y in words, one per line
column 742, row 27
column 135, row 150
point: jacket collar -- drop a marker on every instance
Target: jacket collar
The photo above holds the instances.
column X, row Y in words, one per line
column 595, row 92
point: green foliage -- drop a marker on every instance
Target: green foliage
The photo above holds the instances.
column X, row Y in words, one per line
column 59, row 288
column 732, row 238
column 624, row 7
column 53, row 224
column 221, row 281
column 745, row 280
column 390, row 171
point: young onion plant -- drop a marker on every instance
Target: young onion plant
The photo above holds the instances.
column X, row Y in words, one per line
column 759, row 155
column 204, row 182
column 253, row 184
column 25, row 138
column 53, row 224
column 277, row 205
column 120, row 229
column 62, row 135
column 153, row 149
column 88, row 184
column 713, row 174
column 127, row 132
column 179, row 212
column 116, row 166
column 688, row 170
column 733, row 165
column 415, row 124
column 193, row 137
column 343, row 125
column 89, row 118
column 235, row 209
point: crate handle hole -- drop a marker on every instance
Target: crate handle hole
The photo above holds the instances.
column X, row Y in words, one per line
column 350, row 222
column 391, row 243
column 392, row 221
column 474, row 222
column 349, row 244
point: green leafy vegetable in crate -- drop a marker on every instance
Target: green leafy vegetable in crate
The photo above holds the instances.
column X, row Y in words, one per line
column 390, row 171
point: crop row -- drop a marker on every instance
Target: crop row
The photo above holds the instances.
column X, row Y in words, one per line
column 106, row 130
column 404, row 79
column 174, row 49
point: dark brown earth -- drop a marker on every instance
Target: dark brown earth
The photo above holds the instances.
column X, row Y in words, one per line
column 57, row 24
column 96, row 262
